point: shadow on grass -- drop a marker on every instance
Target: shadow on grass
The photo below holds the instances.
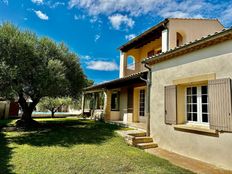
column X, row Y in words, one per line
column 66, row 133
column 5, row 155
column 5, row 122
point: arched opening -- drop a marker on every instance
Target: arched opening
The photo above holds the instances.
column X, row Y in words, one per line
column 179, row 39
column 130, row 63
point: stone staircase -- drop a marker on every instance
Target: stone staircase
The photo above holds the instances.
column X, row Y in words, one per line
column 141, row 141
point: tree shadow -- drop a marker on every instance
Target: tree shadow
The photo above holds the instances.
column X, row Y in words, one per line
column 5, row 122
column 66, row 133
column 5, row 155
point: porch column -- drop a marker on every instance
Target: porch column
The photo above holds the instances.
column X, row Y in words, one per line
column 136, row 105
column 164, row 40
column 122, row 64
column 83, row 103
column 107, row 104
column 94, row 105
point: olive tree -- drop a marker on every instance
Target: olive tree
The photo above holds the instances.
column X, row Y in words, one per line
column 36, row 67
column 54, row 104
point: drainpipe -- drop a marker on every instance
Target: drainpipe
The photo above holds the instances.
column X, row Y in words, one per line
column 148, row 82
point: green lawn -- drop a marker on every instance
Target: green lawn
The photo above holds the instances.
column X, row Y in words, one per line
column 69, row 146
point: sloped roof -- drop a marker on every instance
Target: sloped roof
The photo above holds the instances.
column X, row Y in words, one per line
column 217, row 37
column 153, row 33
column 120, row 82
column 145, row 37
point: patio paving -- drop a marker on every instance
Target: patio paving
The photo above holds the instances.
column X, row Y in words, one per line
column 187, row 163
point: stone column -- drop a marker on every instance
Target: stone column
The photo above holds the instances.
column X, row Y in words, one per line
column 122, row 64
column 164, row 40
column 83, row 103
column 136, row 106
column 107, row 104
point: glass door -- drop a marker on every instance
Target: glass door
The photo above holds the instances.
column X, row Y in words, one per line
column 142, row 105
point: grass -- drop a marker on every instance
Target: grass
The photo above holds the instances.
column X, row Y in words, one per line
column 69, row 146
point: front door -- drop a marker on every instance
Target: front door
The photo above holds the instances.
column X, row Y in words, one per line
column 142, row 106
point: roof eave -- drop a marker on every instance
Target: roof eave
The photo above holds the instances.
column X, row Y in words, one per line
column 164, row 22
column 192, row 46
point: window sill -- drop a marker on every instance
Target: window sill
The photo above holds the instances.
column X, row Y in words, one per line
column 196, row 129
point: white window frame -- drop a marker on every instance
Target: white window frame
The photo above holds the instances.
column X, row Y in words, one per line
column 199, row 107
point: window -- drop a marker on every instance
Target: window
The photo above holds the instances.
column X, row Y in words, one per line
column 197, row 104
column 179, row 39
column 131, row 63
column 130, row 96
column 99, row 100
column 141, row 102
column 151, row 53
column 115, row 101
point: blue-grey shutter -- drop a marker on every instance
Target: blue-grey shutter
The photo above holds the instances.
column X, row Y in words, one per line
column 170, row 104
column 220, row 104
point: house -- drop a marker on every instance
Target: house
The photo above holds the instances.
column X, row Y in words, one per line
column 8, row 108
column 185, row 86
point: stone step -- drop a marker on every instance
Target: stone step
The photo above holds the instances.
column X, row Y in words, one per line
column 146, row 145
column 137, row 140
column 138, row 134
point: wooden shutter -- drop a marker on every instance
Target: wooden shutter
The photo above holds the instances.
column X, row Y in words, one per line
column 219, row 93
column 170, row 104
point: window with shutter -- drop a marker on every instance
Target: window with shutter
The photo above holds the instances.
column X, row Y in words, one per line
column 170, row 105
column 197, row 104
column 220, row 104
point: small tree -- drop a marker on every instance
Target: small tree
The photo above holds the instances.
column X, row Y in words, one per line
column 54, row 104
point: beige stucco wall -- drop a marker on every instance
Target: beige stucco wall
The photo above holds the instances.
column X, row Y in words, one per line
column 136, row 105
column 215, row 59
column 115, row 115
column 191, row 29
column 4, row 109
column 123, row 102
column 107, row 104
column 139, row 55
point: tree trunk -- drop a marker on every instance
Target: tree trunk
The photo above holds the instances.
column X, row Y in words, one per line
column 26, row 119
column 53, row 113
column 27, row 114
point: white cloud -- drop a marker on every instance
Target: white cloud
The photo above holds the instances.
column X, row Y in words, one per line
column 183, row 9
column 96, row 7
column 124, row 11
column 41, row 15
column 56, row 4
column 227, row 15
column 49, row 3
column 97, row 36
column 95, row 19
column 37, row 1
column 118, row 20
column 85, row 57
column 139, row 7
column 6, row 2
column 156, row 8
column 102, row 65
column 130, row 36
column 79, row 17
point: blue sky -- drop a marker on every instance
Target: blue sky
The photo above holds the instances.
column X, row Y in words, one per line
column 94, row 29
